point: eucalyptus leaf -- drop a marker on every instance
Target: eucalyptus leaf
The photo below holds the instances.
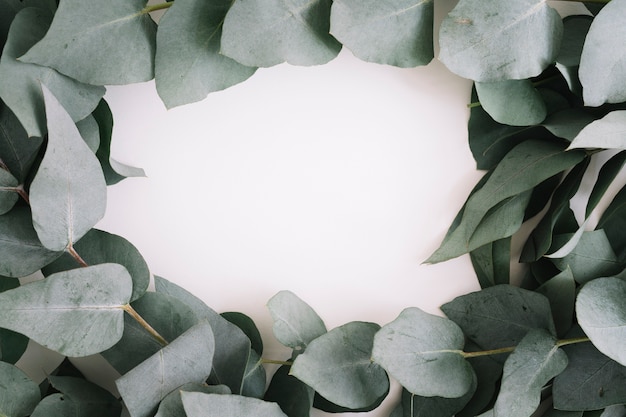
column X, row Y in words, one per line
column 97, row 247
column 561, row 292
column 417, row 406
column 55, row 405
column 84, row 399
column 20, row 81
column 19, row 394
column 322, row 404
column 17, row 149
column 76, row 313
column 338, row 366
column 296, row 324
column 568, row 123
column 575, row 29
column 495, row 40
column 293, row 396
column 602, row 315
column 263, row 33
column 608, row 132
column 491, row 262
column 12, row 345
column 186, row 359
column 607, row 174
column 99, row 43
column 613, row 221
column 172, row 404
column 488, row 374
column 22, row 252
column 246, row 324
column 90, row 132
column 67, row 195
column 254, row 380
column 614, row 411
column 512, row 102
column 535, row 361
column 603, row 61
column 425, row 354
column 500, row 316
column 8, row 191
column 197, row 403
column 188, row 63
column 395, row 33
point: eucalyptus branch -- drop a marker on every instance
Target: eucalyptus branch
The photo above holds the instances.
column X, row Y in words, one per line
column 76, row 256
column 509, row 349
column 275, row 362
column 133, row 313
column 22, row 193
column 154, row 8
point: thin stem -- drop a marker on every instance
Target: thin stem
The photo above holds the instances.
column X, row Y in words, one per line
column 131, row 311
column 22, row 193
column 474, row 104
column 274, row 362
column 154, row 8
column 566, row 342
column 559, row 343
column 76, row 256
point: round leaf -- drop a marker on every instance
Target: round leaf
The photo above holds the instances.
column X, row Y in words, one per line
column 18, row 394
column 296, row 324
column 197, row 403
column 512, row 102
column 608, row 132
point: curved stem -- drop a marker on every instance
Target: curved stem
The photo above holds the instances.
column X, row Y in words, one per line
column 22, row 193
column 154, row 8
column 274, row 362
column 76, row 256
column 133, row 313
column 509, row 349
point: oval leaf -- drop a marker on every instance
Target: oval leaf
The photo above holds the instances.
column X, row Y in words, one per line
column 296, row 324
column 18, row 394
column 608, row 133
column 172, row 404
column 425, row 354
column 68, row 193
column 86, row 398
column 196, row 405
column 8, row 191
column 76, row 313
column 17, row 149
column 512, row 102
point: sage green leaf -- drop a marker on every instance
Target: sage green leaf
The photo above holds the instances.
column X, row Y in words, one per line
column 614, row 411
column 98, row 247
column 561, row 292
column 232, row 346
column 601, row 313
column 8, row 10
column 296, row 324
column 603, row 61
column 169, row 316
column 568, row 123
column 512, row 102
column 246, row 324
column 592, row 257
column 113, row 171
column 263, row 33
column 395, row 33
column 500, row 316
column 338, row 366
column 22, row 252
column 17, row 149
column 186, row 359
column 76, row 313
column 322, row 404
column 608, row 132
column 90, row 132
column 534, row 362
column 495, row 40
column 68, row 193
column 80, row 398
column 613, row 221
column 575, row 29
column 20, row 81
column 196, row 405
column 55, row 405
column 188, row 63
column 172, row 404
column 607, row 174
column 18, row 394
column 12, row 345
column 417, row 406
column 591, row 380
column 99, row 43
column 254, row 380
column 488, row 374
column 293, row 396
column 8, row 191
column 560, row 413
column 425, row 354
column 491, row 262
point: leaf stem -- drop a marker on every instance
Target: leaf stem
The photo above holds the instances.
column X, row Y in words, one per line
column 275, row 362
column 133, row 313
column 154, row 8
column 76, row 256
column 474, row 104
column 509, row 349
column 22, row 193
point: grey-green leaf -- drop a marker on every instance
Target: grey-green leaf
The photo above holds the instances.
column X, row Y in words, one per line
column 20, row 81
column 87, row 398
column 425, row 354
column 494, row 40
column 608, row 133
column 17, row 149
column 293, row 396
column 99, row 43
column 196, row 405
column 172, row 404
column 8, row 191
column 491, row 263
column 338, row 366
column 90, row 132
column 561, row 292
column 601, row 313
column 535, row 361
column 187, row 359
column 263, row 33
column 417, row 406
column 76, row 313
column 254, row 380
column 512, row 102
column 296, row 324
column 603, row 60
column 396, row 33
column 68, row 194
column 18, row 394
column 188, row 63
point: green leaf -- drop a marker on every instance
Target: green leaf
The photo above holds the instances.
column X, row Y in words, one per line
column 22, row 252
column 76, row 313
column 18, row 394
column 99, row 43
column 561, row 292
column 607, row 174
column 512, row 102
column 602, row 63
column 263, row 33
column 20, row 81
column 322, row 404
column 488, row 374
column 167, row 315
column 172, row 404
column 293, row 396
column 417, row 406
column 613, row 221
column 186, row 359
column 425, row 354
column 500, row 316
column 17, row 149
column 55, row 405
column 254, row 380
column 90, row 132
column 395, row 33
column 535, row 361
column 494, row 40
column 83, row 398
column 246, row 324
column 68, row 194
column 575, row 30
column 591, row 380
column 614, row 411
column 296, row 324
column 568, row 123
column 98, row 247
column 8, row 191
column 492, row 262
column 601, row 313
column 338, row 366
column 592, row 257
column 608, row 132
column 12, row 345
column 197, row 403
column 188, row 63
